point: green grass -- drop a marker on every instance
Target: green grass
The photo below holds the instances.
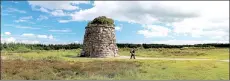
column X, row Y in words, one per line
column 114, row 70
column 218, row 53
column 42, row 54
column 64, row 65
column 208, row 53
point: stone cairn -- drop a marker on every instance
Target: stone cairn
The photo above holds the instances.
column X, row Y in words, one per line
column 99, row 39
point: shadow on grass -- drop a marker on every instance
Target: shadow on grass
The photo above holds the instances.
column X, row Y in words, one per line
column 75, row 56
column 71, row 56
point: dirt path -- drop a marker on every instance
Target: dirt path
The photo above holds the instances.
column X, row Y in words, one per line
column 3, row 57
column 224, row 60
column 128, row 57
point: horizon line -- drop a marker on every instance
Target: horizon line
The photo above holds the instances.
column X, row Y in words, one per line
column 116, row 43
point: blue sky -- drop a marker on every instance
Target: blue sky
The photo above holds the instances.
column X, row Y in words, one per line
column 61, row 22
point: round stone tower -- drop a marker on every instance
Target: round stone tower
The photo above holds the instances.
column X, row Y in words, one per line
column 99, row 38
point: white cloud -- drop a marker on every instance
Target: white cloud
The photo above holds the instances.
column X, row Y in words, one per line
column 8, row 40
column 207, row 19
column 42, row 17
column 25, row 27
column 58, row 13
column 64, row 30
column 154, row 31
column 190, row 42
column 118, row 28
column 28, row 35
column 19, row 26
column 183, row 16
column 76, row 41
column 14, row 10
column 50, row 37
column 20, row 20
column 29, row 41
column 58, row 5
column 28, row 38
column 64, row 33
column 46, row 36
column 34, row 8
column 13, row 40
column 64, row 21
column 56, row 8
column 199, row 27
column 144, row 12
column 42, row 36
column 38, row 36
column 54, row 43
column 7, row 33
column 24, row 19
column 46, row 26
column 43, row 10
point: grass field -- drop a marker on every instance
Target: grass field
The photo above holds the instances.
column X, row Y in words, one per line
column 209, row 53
column 64, row 65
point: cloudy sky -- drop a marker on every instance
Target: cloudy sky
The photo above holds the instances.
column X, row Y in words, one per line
column 165, row 22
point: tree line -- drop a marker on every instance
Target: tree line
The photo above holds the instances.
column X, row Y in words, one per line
column 217, row 45
column 21, row 46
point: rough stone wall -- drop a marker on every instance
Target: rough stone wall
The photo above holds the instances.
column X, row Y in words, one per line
column 100, row 41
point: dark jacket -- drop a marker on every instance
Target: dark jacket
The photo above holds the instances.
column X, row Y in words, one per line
column 132, row 51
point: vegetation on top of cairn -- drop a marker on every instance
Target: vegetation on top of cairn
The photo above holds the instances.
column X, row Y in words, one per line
column 102, row 20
